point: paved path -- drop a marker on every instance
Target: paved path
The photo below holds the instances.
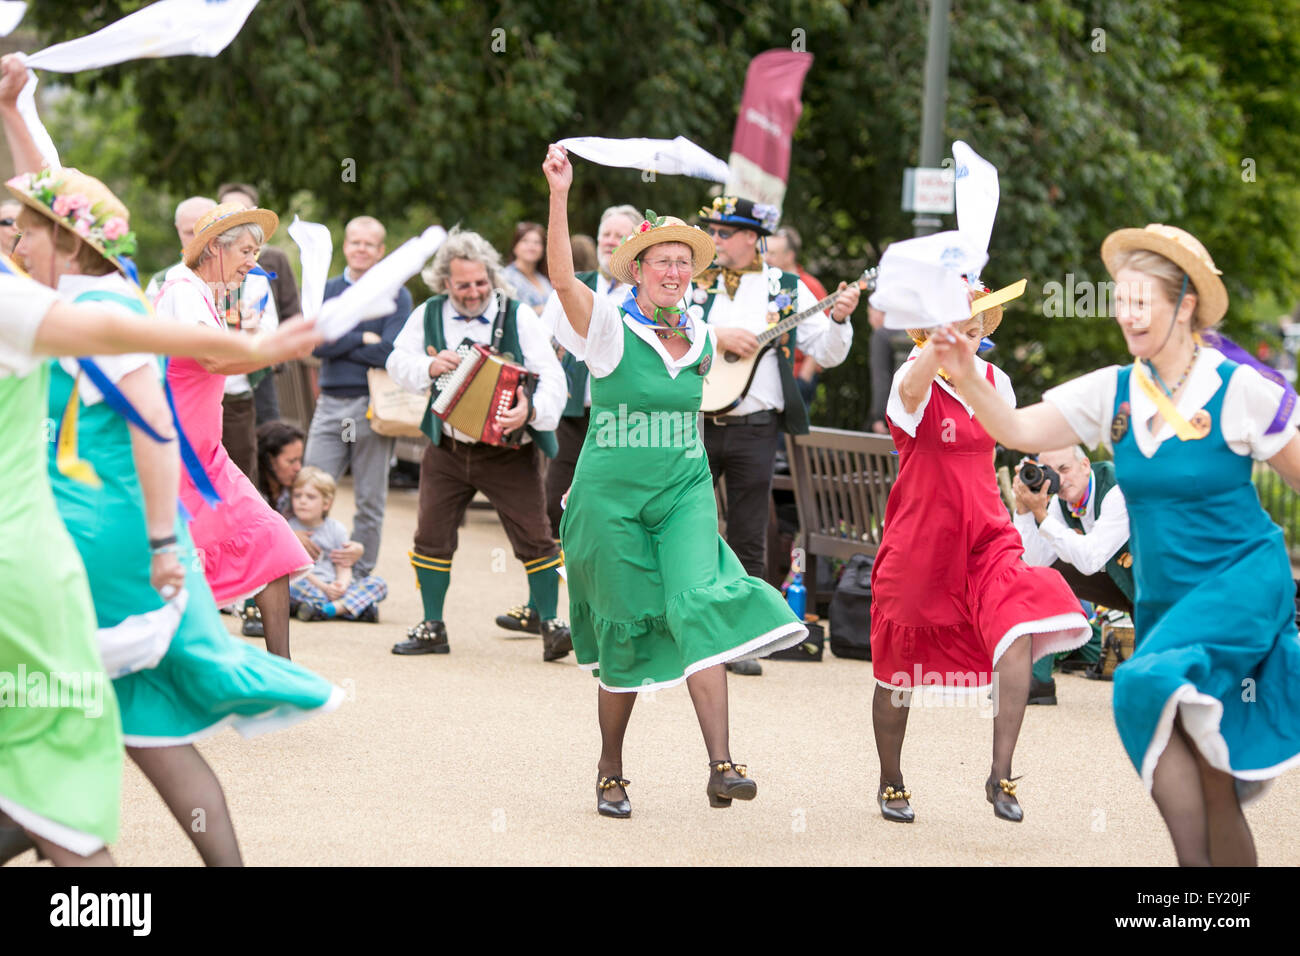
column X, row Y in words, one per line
column 487, row 756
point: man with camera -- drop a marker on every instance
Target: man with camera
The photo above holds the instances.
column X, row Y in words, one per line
column 1071, row 516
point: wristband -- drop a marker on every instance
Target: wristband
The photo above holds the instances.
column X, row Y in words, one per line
column 158, row 544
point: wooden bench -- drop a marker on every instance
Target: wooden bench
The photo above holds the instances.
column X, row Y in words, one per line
column 841, row 482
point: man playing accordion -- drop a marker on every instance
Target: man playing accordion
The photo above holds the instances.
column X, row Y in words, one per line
column 469, row 302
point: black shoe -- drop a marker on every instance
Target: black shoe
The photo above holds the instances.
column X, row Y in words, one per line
column 370, row 615
column 525, row 619
column 252, row 629
column 1042, row 692
column 1003, row 797
column 722, row 791
column 556, row 640
column 427, row 637
column 310, row 612
column 745, row 668
column 619, row 809
column 896, row 814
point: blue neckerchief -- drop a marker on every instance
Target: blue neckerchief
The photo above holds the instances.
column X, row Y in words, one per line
column 634, row 310
column 471, row 318
column 129, row 268
column 986, row 344
column 259, row 271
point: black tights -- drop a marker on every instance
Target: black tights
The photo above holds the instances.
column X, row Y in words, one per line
column 273, row 602
column 889, row 710
column 1200, row 807
column 193, row 794
column 708, row 689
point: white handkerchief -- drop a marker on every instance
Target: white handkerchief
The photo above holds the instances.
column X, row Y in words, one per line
column 921, row 282
column 672, row 157
column 11, row 14
column 375, row 293
column 977, row 194
column 317, row 249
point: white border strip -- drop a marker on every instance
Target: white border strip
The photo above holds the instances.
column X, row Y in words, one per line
column 777, row 639
column 78, row 841
column 1061, row 624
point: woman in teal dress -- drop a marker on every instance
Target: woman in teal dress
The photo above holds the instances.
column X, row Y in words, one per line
column 1207, row 707
column 178, row 675
column 655, row 595
column 61, row 763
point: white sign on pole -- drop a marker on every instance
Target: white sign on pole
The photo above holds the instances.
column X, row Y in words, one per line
column 928, row 190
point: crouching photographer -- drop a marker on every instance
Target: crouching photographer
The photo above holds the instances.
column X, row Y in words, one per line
column 1072, row 517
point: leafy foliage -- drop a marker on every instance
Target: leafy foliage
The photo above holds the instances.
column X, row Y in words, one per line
column 445, row 109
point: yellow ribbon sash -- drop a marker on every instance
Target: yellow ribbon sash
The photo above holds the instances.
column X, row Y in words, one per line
column 1184, row 429
column 65, row 458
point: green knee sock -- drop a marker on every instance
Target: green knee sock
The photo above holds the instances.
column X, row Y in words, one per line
column 544, row 586
column 433, row 575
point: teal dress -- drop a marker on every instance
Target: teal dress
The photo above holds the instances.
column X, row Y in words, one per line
column 655, row 593
column 1215, row 612
column 207, row 679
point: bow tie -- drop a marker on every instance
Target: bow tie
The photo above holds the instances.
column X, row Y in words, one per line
column 471, row 318
column 730, row 277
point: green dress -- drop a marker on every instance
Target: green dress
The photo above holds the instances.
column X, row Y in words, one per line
column 60, row 736
column 207, row 679
column 655, row 593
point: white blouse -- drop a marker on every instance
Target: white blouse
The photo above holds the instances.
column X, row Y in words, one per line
column 23, row 304
column 908, row 421
column 602, row 349
column 1249, row 406
column 116, row 367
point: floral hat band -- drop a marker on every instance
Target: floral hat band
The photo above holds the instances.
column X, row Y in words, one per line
column 81, row 204
column 763, row 218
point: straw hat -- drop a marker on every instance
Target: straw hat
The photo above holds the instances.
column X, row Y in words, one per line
column 1182, row 249
column 992, row 317
column 223, row 218
column 654, row 230
column 81, row 204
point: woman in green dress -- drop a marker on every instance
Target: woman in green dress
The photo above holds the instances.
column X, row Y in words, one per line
column 178, row 675
column 655, row 595
column 61, row 752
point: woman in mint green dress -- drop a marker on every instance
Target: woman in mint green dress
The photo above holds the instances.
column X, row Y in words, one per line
column 178, row 675
column 61, row 763
column 656, row 597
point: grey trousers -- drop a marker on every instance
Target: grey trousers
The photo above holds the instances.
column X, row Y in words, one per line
column 340, row 436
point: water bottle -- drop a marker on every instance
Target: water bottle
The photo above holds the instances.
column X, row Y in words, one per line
column 797, row 596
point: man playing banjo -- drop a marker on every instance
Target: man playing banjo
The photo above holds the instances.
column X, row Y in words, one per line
column 740, row 297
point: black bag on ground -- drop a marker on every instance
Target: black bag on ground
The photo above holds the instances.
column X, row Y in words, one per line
column 809, row 649
column 851, row 610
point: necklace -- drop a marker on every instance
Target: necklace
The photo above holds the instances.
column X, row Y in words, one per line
column 1081, row 509
column 1196, row 350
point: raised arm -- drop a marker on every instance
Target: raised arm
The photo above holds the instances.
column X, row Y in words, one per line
column 1287, row 462
column 1033, row 428
column 918, row 379
column 574, row 296
column 13, row 77
column 91, row 330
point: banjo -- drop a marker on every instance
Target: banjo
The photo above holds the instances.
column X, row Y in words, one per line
column 729, row 380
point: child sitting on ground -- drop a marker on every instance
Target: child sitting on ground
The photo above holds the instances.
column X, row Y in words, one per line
column 328, row 591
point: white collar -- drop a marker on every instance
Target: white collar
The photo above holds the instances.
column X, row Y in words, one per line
column 1202, row 384
column 699, row 334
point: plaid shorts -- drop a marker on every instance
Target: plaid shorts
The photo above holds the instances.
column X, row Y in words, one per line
column 361, row 593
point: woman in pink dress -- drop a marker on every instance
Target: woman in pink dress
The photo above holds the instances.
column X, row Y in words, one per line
column 951, row 595
column 248, row 549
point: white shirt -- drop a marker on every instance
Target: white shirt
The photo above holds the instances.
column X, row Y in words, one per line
column 908, row 421
column 23, row 305
column 1249, row 406
column 1103, row 534
column 408, row 363
column 825, row 340
column 554, row 311
column 602, row 349
column 186, row 303
column 116, row 367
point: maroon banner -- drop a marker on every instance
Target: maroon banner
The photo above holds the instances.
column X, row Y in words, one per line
column 759, row 164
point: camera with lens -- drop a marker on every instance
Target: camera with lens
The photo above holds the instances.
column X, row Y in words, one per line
column 1034, row 476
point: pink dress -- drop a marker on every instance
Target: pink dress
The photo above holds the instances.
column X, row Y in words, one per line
column 950, row 591
column 245, row 543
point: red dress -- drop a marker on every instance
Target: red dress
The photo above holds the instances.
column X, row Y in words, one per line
column 950, row 591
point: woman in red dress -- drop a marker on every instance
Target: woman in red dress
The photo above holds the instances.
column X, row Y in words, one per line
column 951, row 595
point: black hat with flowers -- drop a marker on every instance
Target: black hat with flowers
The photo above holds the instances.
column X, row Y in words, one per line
column 762, row 218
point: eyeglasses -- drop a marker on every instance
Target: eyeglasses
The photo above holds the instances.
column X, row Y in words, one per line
column 720, row 233
column 8, row 222
column 668, row 265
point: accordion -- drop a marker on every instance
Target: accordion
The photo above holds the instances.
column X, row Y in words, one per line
column 471, row 396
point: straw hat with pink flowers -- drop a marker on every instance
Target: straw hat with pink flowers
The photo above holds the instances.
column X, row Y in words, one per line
column 81, row 204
